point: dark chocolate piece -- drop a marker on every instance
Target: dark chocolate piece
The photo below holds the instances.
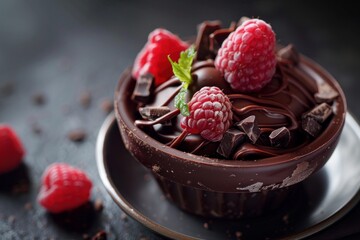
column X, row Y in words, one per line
column 143, row 88
column 250, row 127
column 326, row 93
column 202, row 42
column 280, row 137
column 320, row 113
column 289, row 54
column 311, row 126
column 231, row 140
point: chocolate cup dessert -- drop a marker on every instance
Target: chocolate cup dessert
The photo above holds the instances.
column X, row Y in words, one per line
column 256, row 179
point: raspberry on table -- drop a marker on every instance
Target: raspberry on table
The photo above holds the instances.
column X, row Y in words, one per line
column 11, row 149
column 247, row 56
column 210, row 114
column 153, row 57
column 63, row 188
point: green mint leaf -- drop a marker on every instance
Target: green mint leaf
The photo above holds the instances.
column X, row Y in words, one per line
column 180, row 102
column 182, row 70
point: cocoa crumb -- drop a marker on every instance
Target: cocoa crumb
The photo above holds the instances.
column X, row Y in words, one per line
column 77, row 135
column 124, row 217
column 107, row 106
column 85, row 99
column 101, row 235
column 39, row 99
column 206, row 225
column 238, row 234
column 28, row 206
column 98, row 205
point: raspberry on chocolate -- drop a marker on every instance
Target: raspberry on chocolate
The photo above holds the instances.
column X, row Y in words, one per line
column 153, row 57
column 247, row 57
column 210, row 114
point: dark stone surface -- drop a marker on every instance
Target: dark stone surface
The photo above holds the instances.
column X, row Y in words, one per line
column 64, row 48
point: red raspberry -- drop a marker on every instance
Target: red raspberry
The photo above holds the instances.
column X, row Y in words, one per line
column 63, row 188
column 153, row 57
column 11, row 149
column 210, row 114
column 247, row 56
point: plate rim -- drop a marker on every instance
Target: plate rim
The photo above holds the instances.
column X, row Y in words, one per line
column 127, row 207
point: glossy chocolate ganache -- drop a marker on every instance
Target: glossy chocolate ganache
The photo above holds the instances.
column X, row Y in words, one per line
column 287, row 114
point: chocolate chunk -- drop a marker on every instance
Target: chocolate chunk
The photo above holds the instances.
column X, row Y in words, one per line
column 202, row 43
column 77, row 135
column 326, row 93
column 311, row 126
column 280, row 137
column 218, row 37
column 250, row 127
column 289, row 54
column 143, row 88
column 320, row 113
column 152, row 113
column 231, row 140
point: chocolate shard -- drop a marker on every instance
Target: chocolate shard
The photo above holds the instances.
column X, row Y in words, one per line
column 325, row 93
column 231, row 140
column 218, row 36
column 143, row 88
column 250, row 127
column 202, row 43
column 280, row 137
column 289, row 54
column 320, row 113
column 311, row 126
column 152, row 113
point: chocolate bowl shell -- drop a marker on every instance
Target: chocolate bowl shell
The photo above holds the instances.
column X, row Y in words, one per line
column 209, row 175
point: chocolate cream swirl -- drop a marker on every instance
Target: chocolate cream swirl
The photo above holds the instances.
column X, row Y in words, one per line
column 281, row 103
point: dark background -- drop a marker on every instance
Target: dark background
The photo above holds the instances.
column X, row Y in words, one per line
column 62, row 49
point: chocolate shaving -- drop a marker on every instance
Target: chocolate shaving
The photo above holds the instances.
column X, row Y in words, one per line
column 250, row 127
column 280, row 137
column 320, row 113
column 202, row 43
column 143, row 88
column 289, row 54
column 230, row 141
column 326, row 93
column 311, row 126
